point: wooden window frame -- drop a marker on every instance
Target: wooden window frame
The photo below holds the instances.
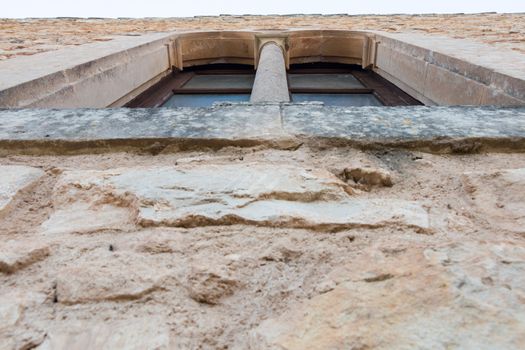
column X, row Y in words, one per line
column 386, row 92
column 173, row 84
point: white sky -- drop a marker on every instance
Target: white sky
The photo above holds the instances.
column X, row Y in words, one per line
column 184, row 8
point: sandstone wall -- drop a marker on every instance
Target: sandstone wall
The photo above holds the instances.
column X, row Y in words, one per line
column 30, row 36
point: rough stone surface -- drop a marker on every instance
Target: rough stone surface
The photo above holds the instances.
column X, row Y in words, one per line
column 30, row 36
column 82, row 217
column 264, row 286
column 251, row 193
column 498, row 197
column 15, row 331
column 425, row 298
column 14, row 179
column 151, row 129
column 368, row 177
column 118, row 277
column 15, row 255
column 404, row 123
column 210, row 286
column 92, row 124
column 140, row 333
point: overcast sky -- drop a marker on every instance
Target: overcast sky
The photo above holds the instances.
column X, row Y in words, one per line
column 184, row 8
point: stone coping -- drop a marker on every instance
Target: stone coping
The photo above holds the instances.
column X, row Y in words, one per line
column 435, row 129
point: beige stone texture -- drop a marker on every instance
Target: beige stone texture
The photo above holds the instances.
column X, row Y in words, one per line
column 212, row 47
column 498, row 197
column 252, row 193
column 119, row 276
column 16, row 331
column 410, row 297
column 142, row 333
column 93, row 75
column 263, row 285
column 15, row 255
column 14, row 179
column 83, row 217
column 444, row 71
column 30, row 36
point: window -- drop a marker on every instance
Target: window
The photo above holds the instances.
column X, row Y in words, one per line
column 343, row 85
column 200, row 86
column 332, row 84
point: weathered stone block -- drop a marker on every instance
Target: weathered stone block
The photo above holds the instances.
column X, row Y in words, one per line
column 80, row 218
column 251, row 193
column 412, row 297
column 15, row 255
column 150, row 333
column 408, row 69
column 498, row 197
column 120, row 276
column 210, row 285
column 17, row 332
column 13, row 179
column 448, row 88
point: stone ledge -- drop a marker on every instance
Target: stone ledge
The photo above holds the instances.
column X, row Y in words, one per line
column 437, row 129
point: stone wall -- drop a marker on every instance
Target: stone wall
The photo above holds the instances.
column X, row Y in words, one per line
column 262, row 227
column 259, row 248
column 30, row 36
column 278, row 226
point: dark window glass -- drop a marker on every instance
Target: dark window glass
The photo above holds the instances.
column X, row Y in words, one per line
column 203, row 100
column 220, row 81
column 358, row 100
column 324, row 81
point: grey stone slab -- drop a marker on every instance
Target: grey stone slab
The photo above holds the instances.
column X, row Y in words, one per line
column 263, row 122
column 229, row 122
column 404, row 123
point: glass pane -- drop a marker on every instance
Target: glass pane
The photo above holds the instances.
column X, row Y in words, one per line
column 204, row 100
column 339, row 99
column 222, row 81
column 327, row 81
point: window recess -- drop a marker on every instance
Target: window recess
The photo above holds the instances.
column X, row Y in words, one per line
column 343, row 85
column 199, row 87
